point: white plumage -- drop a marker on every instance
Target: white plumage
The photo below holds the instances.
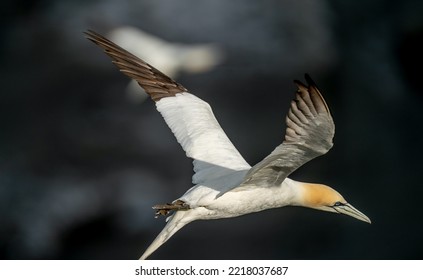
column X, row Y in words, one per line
column 225, row 185
column 195, row 127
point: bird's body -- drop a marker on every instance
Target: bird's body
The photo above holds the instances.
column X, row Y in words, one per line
column 225, row 185
column 236, row 202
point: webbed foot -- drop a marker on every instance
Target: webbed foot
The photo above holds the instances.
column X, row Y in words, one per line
column 164, row 209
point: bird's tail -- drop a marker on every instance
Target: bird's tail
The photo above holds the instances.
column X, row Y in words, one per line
column 174, row 223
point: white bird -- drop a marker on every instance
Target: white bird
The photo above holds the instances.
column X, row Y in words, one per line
column 170, row 58
column 225, row 185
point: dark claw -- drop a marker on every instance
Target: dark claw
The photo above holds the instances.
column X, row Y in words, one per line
column 161, row 212
column 164, row 209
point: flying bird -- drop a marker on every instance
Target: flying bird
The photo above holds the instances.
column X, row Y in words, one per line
column 225, row 185
column 171, row 58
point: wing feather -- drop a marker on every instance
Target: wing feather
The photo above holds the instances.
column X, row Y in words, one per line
column 309, row 133
column 191, row 119
column 154, row 82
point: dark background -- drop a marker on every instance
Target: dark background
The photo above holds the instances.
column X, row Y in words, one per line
column 81, row 165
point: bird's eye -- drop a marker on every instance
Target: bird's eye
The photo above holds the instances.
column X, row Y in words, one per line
column 338, row 203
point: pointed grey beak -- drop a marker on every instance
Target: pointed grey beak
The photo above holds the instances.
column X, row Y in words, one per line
column 349, row 210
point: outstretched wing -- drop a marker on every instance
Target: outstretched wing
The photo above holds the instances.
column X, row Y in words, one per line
column 309, row 133
column 190, row 118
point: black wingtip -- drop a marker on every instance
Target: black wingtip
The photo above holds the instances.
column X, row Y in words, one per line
column 309, row 80
column 299, row 83
column 88, row 32
column 93, row 36
column 90, row 35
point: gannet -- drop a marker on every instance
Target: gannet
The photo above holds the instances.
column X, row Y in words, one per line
column 170, row 58
column 225, row 185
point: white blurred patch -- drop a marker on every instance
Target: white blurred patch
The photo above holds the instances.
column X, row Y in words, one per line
column 169, row 58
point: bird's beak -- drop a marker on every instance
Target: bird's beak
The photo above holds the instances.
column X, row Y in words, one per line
column 349, row 210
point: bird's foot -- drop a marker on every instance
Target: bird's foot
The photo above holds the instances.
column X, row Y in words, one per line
column 164, row 209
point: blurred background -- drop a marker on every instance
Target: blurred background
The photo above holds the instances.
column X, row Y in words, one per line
column 83, row 158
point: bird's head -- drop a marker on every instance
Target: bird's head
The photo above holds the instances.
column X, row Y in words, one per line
column 322, row 197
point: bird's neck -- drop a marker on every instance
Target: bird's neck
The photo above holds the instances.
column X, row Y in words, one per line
column 294, row 190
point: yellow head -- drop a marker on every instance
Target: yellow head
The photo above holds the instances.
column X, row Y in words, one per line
column 325, row 198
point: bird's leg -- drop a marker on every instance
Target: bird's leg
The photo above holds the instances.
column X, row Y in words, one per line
column 164, row 209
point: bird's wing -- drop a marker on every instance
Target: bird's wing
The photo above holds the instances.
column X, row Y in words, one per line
column 309, row 133
column 190, row 118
